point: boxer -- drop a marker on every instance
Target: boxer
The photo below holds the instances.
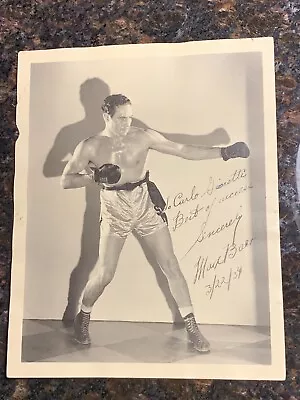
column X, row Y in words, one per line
column 115, row 160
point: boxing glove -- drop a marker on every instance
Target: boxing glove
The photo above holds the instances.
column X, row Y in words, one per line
column 107, row 173
column 239, row 149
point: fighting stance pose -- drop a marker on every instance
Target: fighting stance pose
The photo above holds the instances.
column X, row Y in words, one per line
column 115, row 160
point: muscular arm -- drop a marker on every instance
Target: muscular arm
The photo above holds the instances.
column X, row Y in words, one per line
column 72, row 176
column 189, row 152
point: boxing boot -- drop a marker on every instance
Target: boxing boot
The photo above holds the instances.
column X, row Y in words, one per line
column 195, row 336
column 81, row 328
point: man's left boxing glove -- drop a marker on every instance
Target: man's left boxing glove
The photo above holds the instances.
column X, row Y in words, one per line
column 236, row 150
column 107, row 173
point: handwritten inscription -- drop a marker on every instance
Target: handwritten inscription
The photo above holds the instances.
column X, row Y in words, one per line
column 205, row 265
column 231, row 222
column 200, row 206
column 181, row 218
column 238, row 174
column 235, row 193
column 223, row 282
column 181, row 198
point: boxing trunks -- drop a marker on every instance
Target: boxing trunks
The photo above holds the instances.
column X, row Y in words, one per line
column 135, row 206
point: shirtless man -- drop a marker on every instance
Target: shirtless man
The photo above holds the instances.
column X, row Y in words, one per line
column 115, row 160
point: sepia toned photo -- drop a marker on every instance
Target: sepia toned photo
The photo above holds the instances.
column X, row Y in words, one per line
column 146, row 237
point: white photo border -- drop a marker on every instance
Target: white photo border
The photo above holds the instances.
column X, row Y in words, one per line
column 18, row 369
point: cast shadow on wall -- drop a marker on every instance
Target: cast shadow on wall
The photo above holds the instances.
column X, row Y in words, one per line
column 92, row 93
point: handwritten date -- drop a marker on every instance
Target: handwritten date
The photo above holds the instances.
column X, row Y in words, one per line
column 223, row 281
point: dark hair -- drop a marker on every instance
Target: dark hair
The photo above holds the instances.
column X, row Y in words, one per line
column 112, row 102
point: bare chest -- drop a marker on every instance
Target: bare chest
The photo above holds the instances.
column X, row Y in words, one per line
column 130, row 153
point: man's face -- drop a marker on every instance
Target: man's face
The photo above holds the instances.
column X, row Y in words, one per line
column 120, row 122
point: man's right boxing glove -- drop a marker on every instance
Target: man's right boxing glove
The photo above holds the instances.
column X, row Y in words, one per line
column 107, row 173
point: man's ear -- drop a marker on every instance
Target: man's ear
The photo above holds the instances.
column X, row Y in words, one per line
column 106, row 117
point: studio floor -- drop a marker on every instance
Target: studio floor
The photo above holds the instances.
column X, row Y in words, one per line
column 50, row 341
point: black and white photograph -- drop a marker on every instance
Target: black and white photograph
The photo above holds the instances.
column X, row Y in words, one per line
column 146, row 226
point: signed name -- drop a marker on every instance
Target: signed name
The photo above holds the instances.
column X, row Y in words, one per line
column 205, row 265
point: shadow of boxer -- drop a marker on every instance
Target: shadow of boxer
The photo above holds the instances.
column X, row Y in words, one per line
column 92, row 94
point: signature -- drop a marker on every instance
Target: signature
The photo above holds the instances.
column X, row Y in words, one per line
column 204, row 264
column 223, row 281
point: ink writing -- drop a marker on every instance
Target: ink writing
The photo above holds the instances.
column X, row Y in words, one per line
column 231, row 195
column 238, row 174
column 181, row 219
column 204, row 265
column 223, row 282
column 180, row 198
column 208, row 234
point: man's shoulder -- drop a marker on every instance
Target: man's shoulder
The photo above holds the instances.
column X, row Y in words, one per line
column 87, row 145
column 136, row 133
column 135, row 129
column 149, row 134
column 94, row 141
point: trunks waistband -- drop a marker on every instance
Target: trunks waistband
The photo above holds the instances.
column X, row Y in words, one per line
column 130, row 185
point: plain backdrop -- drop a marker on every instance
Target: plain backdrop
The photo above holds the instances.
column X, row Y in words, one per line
column 187, row 96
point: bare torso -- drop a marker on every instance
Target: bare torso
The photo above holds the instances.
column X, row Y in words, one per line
column 129, row 153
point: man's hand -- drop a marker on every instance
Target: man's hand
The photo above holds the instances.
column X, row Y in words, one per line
column 236, row 150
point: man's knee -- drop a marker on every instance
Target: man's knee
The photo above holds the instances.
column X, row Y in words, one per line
column 107, row 275
column 104, row 274
column 171, row 267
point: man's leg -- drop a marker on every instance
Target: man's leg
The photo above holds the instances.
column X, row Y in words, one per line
column 103, row 273
column 160, row 243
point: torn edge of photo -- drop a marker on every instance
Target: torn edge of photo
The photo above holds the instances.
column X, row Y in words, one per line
column 168, row 152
